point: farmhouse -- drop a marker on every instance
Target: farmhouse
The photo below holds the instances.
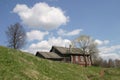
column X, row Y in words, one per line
column 69, row 55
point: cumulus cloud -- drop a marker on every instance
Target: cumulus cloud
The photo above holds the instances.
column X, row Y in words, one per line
column 110, row 49
column 110, row 56
column 112, row 52
column 100, row 42
column 46, row 45
column 41, row 15
column 107, row 52
column 62, row 32
column 36, row 35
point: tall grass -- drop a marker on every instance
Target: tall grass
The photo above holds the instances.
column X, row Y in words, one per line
column 17, row 65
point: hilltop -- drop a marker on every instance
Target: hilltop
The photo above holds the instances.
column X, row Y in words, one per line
column 17, row 65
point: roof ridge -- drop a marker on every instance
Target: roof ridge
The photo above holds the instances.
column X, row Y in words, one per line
column 65, row 47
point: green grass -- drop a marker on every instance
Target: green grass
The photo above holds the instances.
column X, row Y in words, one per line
column 17, row 65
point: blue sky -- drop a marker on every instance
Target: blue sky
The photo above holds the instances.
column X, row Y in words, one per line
column 99, row 19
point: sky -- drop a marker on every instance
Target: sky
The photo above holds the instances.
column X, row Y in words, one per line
column 58, row 22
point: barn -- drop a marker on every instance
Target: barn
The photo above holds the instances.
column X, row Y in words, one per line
column 69, row 55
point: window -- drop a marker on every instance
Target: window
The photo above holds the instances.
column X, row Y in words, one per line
column 89, row 58
column 81, row 58
column 76, row 58
column 73, row 59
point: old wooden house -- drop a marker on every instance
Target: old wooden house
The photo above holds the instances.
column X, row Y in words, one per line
column 69, row 55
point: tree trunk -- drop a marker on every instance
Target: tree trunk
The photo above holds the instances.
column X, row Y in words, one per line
column 85, row 61
column 85, row 58
column 91, row 60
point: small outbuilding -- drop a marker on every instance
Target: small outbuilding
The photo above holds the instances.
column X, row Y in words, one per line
column 49, row 55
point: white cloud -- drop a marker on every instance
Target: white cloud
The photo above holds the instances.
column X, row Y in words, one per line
column 36, row 35
column 46, row 45
column 41, row 15
column 112, row 52
column 107, row 52
column 110, row 49
column 110, row 56
column 106, row 41
column 62, row 32
column 100, row 42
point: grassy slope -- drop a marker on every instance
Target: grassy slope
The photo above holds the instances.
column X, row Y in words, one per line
column 16, row 65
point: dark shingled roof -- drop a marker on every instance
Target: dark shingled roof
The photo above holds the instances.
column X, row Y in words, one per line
column 64, row 50
column 49, row 54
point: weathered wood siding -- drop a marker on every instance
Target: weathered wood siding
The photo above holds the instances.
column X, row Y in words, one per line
column 80, row 60
column 73, row 58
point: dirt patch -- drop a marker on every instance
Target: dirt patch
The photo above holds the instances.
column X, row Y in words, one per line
column 102, row 73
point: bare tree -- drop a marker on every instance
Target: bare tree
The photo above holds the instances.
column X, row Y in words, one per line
column 111, row 63
column 16, row 36
column 87, row 45
column 117, row 63
column 93, row 51
column 98, row 62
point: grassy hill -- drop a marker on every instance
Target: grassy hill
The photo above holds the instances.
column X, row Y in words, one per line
column 17, row 65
